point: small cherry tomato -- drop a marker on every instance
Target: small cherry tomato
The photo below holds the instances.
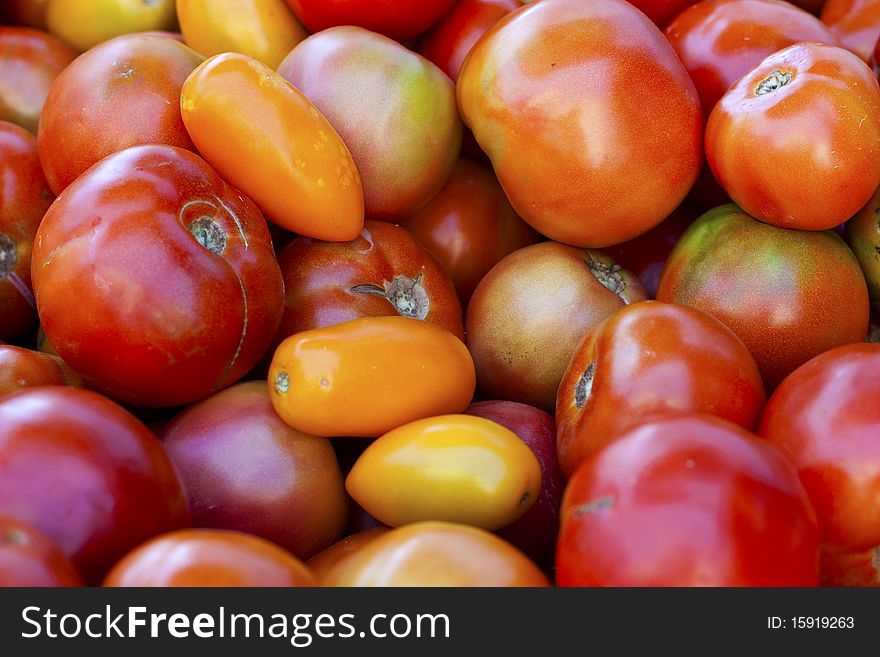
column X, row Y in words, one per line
column 436, row 554
column 206, row 557
column 856, row 23
column 687, row 501
column 755, row 138
column 398, row 19
column 529, row 312
column 297, row 155
column 23, row 368
column 651, row 358
column 86, row 23
column 183, row 285
column 264, row 29
column 28, row 558
column 30, row 60
column 330, row 557
column 368, row 376
column 122, row 93
column 456, row 468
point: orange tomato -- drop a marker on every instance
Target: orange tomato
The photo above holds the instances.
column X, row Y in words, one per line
column 458, row 468
column 264, row 29
column 267, row 139
column 437, row 554
column 330, row 557
column 367, row 376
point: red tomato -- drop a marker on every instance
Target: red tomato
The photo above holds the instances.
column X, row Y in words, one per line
column 449, row 42
column 121, row 93
column 182, row 283
column 652, row 358
column 29, row 558
column 29, row 62
column 755, row 138
column 23, row 368
column 586, row 155
column 87, row 473
column 687, row 501
column 662, row 11
column 856, row 23
column 399, row 19
column 719, row 40
column 24, row 199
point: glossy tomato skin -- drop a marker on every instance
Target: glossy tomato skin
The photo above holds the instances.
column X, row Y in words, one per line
column 122, row 93
column 754, row 141
column 436, row 554
column 329, row 558
column 823, row 416
column 687, row 500
column 300, row 153
column 404, row 131
column 449, row 42
column 863, row 237
column 183, row 286
column 86, row 473
column 263, row 29
column 651, row 358
column 86, row 24
column 608, row 158
column 26, row 197
column 469, row 225
column 29, row 558
column 368, row 376
column 454, row 468
column 789, row 295
column 856, row 23
column 398, row 19
column 529, row 312
column 209, row 557
column 24, row 368
column 720, row 40
column 30, row 60
column 383, row 271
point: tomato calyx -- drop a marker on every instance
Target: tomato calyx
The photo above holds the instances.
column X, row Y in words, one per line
column 776, row 80
column 209, row 234
column 584, row 386
column 407, row 295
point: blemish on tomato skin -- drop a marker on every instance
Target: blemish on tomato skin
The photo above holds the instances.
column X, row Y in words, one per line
column 605, row 502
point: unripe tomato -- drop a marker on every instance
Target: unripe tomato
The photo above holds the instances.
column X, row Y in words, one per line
column 436, row 554
column 86, row 23
column 209, row 557
column 367, row 376
column 863, row 237
column 23, row 368
column 294, row 166
column 457, row 468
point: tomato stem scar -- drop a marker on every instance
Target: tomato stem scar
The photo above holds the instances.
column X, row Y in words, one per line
column 209, row 234
column 282, row 382
column 772, row 82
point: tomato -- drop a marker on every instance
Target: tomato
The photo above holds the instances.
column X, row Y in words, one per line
column 863, row 237
column 24, row 200
column 687, row 501
column 244, row 469
column 403, row 131
column 29, row 61
column 122, row 93
column 789, row 295
column 87, row 473
column 756, row 148
column 651, row 358
column 591, row 122
column 23, row 368
column 264, row 29
column 450, row 40
column 399, row 19
column 824, row 417
column 856, row 23
column 384, row 271
column 850, row 568
column 204, row 557
column 297, row 155
column 436, row 554
column 662, row 11
column 720, row 40
column 183, row 286
column 528, row 313
column 534, row 532
column 329, row 558
column 368, row 376
column 86, row 24
column 469, row 225
column 456, row 468
column 29, row 558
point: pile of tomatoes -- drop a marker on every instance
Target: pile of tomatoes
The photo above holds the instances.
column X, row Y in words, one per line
column 449, row 292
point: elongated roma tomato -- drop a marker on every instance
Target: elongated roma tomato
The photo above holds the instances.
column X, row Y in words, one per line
column 86, row 23
column 367, row 376
column 457, row 468
column 590, row 119
column 267, row 139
